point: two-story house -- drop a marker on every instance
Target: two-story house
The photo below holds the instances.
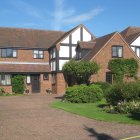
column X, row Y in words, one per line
column 38, row 55
column 103, row 49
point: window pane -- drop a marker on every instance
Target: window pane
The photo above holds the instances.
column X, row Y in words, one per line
column 9, row 53
column 35, row 51
column 119, row 51
column 8, row 79
column 40, row 52
column 46, row 76
column 41, row 56
column 114, row 53
column 28, row 79
column 3, row 52
column 14, row 53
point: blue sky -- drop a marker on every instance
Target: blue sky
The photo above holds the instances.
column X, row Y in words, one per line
column 99, row 16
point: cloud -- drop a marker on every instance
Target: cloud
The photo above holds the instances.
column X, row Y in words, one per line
column 83, row 17
column 27, row 8
column 65, row 15
column 60, row 14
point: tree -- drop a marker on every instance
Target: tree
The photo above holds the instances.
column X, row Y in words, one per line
column 80, row 71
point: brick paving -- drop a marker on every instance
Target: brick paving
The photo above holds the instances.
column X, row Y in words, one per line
column 31, row 118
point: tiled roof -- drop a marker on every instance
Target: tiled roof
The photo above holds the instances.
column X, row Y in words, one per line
column 86, row 45
column 100, row 42
column 130, row 34
column 24, row 68
column 28, row 38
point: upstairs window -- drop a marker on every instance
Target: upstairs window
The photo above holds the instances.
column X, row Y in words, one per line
column 117, row 51
column 38, row 54
column 8, row 53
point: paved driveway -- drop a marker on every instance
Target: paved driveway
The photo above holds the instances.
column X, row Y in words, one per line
column 31, row 118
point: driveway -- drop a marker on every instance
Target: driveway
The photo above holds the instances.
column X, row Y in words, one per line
column 31, row 118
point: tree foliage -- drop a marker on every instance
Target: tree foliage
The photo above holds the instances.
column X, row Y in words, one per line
column 80, row 70
column 123, row 67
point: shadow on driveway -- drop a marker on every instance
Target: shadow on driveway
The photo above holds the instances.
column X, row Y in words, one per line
column 98, row 136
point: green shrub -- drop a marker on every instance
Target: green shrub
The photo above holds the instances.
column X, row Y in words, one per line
column 80, row 71
column 104, row 86
column 123, row 92
column 18, row 85
column 2, row 91
column 83, row 94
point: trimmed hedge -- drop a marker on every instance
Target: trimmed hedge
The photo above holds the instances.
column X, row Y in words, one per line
column 83, row 94
column 18, row 85
column 124, row 92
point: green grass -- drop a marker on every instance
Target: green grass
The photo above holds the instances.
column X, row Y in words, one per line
column 93, row 111
column 7, row 94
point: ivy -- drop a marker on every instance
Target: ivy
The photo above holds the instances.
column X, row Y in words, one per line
column 123, row 67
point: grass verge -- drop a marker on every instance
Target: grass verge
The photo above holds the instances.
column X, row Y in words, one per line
column 95, row 111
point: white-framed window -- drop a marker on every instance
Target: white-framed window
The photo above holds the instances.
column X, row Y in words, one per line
column 28, row 79
column 5, row 79
column 117, row 51
column 38, row 54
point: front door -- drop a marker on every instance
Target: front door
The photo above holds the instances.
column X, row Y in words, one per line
column 35, row 83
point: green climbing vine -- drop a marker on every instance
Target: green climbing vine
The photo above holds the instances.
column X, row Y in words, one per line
column 123, row 67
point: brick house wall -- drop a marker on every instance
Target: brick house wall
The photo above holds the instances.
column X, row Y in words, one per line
column 60, row 84
column 26, row 56
column 103, row 57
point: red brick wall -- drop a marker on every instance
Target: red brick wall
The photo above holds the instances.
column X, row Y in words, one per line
column 60, row 85
column 7, row 89
column 105, row 55
column 44, row 84
column 27, row 56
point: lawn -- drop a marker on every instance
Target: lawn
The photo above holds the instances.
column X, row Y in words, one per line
column 95, row 111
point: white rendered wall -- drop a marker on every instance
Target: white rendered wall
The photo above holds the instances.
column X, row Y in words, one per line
column 53, row 65
column 138, row 52
column 66, row 40
column 76, row 36
column 136, row 42
column 61, row 63
column 73, row 52
column 64, row 51
column 86, row 35
column 133, row 48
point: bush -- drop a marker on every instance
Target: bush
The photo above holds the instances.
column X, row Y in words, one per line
column 123, row 92
column 83, row 94
column 18, row 85
column 124, row 107
column 80, row 71
column 104, row 86
column 2, row 91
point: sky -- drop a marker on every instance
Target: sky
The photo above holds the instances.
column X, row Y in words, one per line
column 99, row 16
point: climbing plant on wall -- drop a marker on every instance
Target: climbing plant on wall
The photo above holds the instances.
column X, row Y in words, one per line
column 123, row 67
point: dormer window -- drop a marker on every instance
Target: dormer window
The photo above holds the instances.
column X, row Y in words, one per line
column 38, row 54
column 8, row 53
column 117, row 51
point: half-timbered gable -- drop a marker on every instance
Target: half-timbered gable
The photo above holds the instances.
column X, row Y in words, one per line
column 66, row 46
